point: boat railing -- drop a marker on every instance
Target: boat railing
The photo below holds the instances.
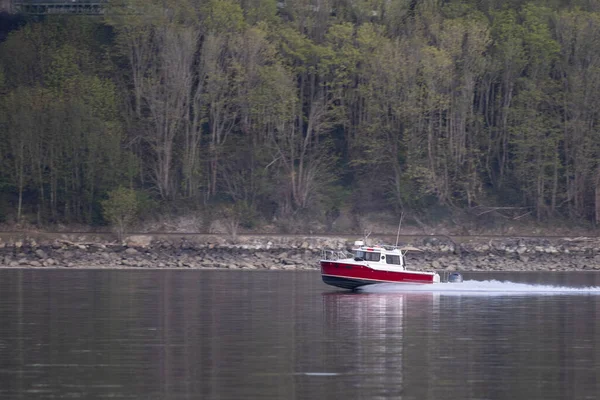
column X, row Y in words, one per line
column 335, row 255
column 390, row 247
column 403, row 249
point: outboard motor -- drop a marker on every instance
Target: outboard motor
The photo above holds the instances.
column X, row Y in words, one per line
column 455, row 277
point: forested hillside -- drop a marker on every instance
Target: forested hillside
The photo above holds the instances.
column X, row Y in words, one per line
column 304, row 108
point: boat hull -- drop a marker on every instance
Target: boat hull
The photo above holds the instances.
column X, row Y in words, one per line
column 348, row 275
column 346, row 283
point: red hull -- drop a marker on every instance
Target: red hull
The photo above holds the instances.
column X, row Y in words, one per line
column 351, row 276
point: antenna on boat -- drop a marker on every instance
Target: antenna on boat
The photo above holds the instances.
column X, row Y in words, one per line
column 399, row 225
column 367, row 234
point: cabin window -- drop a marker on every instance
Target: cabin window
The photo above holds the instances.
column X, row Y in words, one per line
column 372, row 256
column 359, row 255
column 392, row 259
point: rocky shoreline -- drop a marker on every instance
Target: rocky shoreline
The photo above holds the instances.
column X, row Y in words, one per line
column 439, row 253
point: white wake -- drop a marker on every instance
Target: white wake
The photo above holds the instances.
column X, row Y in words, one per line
column 479, row 287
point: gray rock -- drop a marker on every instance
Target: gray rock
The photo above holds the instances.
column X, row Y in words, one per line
column 41, row 253
column 551, row 250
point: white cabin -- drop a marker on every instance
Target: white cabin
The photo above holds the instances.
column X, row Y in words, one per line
column 391, row 256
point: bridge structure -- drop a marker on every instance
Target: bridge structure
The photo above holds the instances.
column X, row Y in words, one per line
column 45, row 7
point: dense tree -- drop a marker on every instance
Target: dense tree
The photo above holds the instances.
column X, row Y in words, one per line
column 286, row 107
column 61, row 121
column 120, row 209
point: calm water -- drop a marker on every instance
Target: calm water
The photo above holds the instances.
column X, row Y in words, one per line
column 94, row 334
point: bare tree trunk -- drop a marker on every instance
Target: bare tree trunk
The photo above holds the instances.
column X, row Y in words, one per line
column 20, row 204
column 168, row 97
column 554, row 185
column 597, row 197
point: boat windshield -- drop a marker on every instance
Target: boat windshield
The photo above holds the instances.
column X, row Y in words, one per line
column 367, row 255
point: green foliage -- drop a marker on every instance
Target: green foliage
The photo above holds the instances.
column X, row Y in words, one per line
column 236, row 215
column 541, row 48
column 454, row 103
column 67, row 146
column 121, row 209
column 223, row 16
column 146, row 205
column 260, row 11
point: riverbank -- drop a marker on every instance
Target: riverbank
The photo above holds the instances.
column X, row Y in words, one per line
column 277, row 252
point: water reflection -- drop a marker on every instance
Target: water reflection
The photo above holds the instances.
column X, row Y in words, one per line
column 432, row 345
column 371, row 331
column 158, row 334
column 233, row 335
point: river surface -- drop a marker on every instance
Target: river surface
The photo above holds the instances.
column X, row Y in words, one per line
column 159, row 334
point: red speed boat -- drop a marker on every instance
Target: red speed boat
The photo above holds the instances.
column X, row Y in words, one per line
column 369, row 265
